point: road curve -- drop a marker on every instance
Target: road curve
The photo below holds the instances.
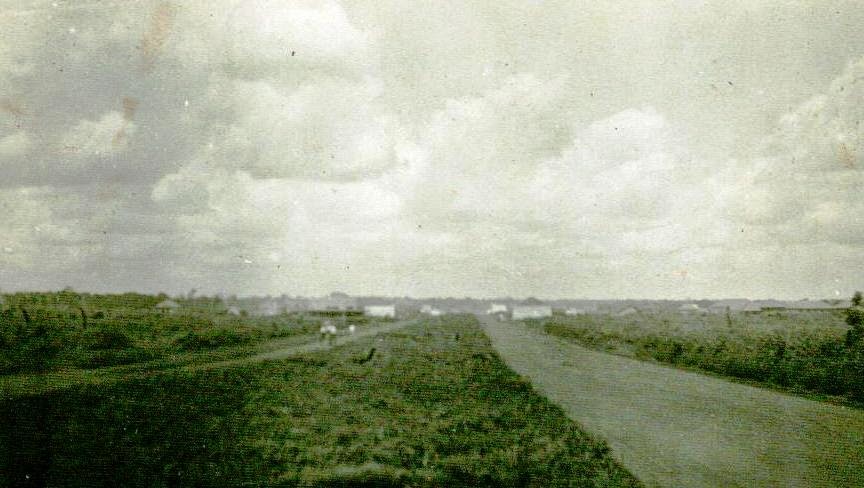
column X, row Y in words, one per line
column 681, row 429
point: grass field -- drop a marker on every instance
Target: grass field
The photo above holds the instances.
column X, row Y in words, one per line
column 804, row 352
column 433, row 405
column 56, row 331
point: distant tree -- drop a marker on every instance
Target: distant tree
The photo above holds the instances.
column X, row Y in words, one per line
column 855, row 320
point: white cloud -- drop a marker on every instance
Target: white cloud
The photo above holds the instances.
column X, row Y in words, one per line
column 15, row 144
column 270, row 38
column 108, row 135
column 808, row 187
column 269, row 30
column 364, row 160
column 31, row 234
column 327, row 130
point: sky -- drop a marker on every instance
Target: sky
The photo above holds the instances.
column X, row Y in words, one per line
column 581, row 149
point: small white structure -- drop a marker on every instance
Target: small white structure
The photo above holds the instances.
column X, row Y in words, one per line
column 328, row 331
column 234, row 310
column 689, row 308
column 386, row 311
column 430, row 310
column 575, row 311
column 496, row 308
column 167, row 306
column 522, row 312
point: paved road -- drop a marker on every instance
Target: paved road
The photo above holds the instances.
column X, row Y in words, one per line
column 20, row 384
column 680, row 429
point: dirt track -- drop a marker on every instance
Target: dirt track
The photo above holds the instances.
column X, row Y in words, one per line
column 676, row 428
column 21, row 384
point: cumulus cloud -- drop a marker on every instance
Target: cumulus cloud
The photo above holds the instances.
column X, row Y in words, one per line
column 30, row 227
column 14, row 144
column 807, row 187
column 105, row 136
column 329, row 130
column 315, row 145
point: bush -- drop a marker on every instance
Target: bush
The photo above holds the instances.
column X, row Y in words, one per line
column 102, row 339
column 805, row 353
column 855, row 320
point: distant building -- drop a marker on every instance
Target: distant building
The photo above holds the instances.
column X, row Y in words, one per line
column 627, row 311
column 689, row 308
column 817, row 306
column 430, row 310
column 771, row 305
column 233, row 310
column 387, row 311
column 336, row 301
column 531, row 308
column 575, row 311
column 497, row 308
column 167, row 306
column 522, row 312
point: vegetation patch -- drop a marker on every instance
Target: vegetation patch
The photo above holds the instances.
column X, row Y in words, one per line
column 41, row 332
column 430, row 406
column 809, row 352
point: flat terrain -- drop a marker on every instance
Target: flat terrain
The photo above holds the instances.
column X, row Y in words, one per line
column 425, row 403
column 20, row 384
column 677, row 428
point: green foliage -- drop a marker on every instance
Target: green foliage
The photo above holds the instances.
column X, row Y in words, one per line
column 196, row 340
column 426, row 410
column 29, row 342
column 174, row 429
column 49, row 331
column 100, row 339
column 855, row 320
column 804, row 352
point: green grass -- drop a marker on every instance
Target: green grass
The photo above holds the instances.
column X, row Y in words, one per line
column 52, row 332
column 804, row 352
column 434, row 406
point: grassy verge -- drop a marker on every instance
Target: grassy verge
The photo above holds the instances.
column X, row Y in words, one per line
column 45, row 339
column 801, row 354
column 431, row 406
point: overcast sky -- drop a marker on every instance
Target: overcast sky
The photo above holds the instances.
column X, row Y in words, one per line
column 655, row 149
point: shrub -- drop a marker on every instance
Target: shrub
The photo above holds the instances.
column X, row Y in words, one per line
column 101, row 339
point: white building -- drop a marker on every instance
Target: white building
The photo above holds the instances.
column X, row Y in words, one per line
column 575, row 311
column 496, row 308
column 521, row 312
column 388, row 311
column 430, row 310
column 336, row 301
column 167, row 306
